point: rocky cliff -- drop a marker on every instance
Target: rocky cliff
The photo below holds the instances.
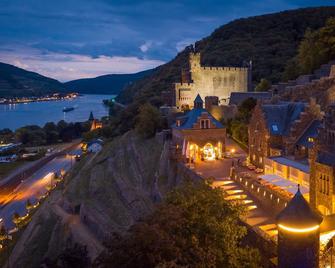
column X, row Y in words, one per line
column 105, row 193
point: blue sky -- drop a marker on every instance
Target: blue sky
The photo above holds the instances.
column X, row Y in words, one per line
column 70, row 39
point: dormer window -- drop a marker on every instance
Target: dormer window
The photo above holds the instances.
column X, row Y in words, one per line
column 178, row 123
column 204, row 123
column 274, row 127
column 310, row 139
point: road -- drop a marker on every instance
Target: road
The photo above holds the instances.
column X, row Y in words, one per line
column 14, row 195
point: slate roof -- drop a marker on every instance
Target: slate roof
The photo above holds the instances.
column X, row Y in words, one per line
column 326, row 158
column 311, row 132
column 291, row 163
column 279, row 117
column 188, row 120
column 198, row 99
column 237, row 98
column 298, row 213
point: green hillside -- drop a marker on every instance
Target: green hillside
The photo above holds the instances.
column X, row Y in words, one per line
column 17, row 82
column 270, row 41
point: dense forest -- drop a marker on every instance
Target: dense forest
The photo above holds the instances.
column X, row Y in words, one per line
column 270, row 41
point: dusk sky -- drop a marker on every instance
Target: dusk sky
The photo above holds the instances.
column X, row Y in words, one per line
column 70, row 39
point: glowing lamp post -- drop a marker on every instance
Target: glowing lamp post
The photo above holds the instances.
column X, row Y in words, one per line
column 298, row 234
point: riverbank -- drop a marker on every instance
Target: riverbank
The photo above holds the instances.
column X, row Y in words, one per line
column 25, row 100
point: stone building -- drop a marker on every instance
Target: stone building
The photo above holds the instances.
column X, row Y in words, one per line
column 322, row 160
column 209, row 81
column 277, row 129
column 198, row 135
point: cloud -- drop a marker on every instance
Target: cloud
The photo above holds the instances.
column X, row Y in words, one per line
column 65, row 67
column 146, row 46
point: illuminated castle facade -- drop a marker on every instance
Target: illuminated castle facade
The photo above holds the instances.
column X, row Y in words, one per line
column 209, row 81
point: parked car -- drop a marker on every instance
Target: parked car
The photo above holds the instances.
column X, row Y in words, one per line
column 251, row 167
column 259, row 170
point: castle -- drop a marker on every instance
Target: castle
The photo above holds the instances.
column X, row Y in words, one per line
column 209, row 81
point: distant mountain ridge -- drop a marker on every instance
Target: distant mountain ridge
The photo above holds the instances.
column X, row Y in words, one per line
column 105, row 84
column 17, row 82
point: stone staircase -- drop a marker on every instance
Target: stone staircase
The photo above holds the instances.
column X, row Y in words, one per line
column 256, row 216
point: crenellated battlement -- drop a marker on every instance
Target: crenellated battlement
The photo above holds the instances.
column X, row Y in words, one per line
column 225, row 69
column 183, row 84
column 209, row 81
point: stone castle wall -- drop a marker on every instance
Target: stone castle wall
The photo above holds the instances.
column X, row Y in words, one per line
column 210, row 81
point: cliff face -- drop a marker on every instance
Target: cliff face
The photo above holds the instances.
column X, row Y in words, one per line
column 105, row 193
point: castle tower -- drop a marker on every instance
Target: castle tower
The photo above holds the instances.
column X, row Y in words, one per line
column 298, row 234
column 194, row 61
column 198, row 102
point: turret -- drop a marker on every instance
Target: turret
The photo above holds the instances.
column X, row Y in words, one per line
column 194, row 60
column 91, row 118
column 298, row 234
column 198, row 102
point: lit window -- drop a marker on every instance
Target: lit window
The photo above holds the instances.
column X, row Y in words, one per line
column 310, row 139
column 178, row 123
column 274, row 127
column 204, row 123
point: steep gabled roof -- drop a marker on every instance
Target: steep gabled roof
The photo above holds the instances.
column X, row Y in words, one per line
column 187, row 121
column 198, row 99
column 311, row 132
column 298, row 213
column 279, row 117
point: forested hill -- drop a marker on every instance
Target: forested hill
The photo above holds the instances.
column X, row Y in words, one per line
column 270, row 41
column 17, row 82
column 105, row 84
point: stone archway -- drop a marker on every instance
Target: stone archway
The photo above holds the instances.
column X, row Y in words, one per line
column 209, row 152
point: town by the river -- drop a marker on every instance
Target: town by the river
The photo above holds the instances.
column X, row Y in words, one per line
column 13, row 116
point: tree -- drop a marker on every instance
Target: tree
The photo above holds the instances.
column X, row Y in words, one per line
column 3, row 233
column 245, row 109
column 194, row 227
column 263, row 85
column 316, row 48
column 147, row 121
column 28, row 205
column 16, row 218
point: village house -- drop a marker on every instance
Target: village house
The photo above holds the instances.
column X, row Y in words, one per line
column 198, row 135
column 282, row 129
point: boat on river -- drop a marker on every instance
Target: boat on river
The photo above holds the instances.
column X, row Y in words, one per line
column 68, row 109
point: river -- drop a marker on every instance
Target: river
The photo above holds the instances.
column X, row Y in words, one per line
column 13, row 116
